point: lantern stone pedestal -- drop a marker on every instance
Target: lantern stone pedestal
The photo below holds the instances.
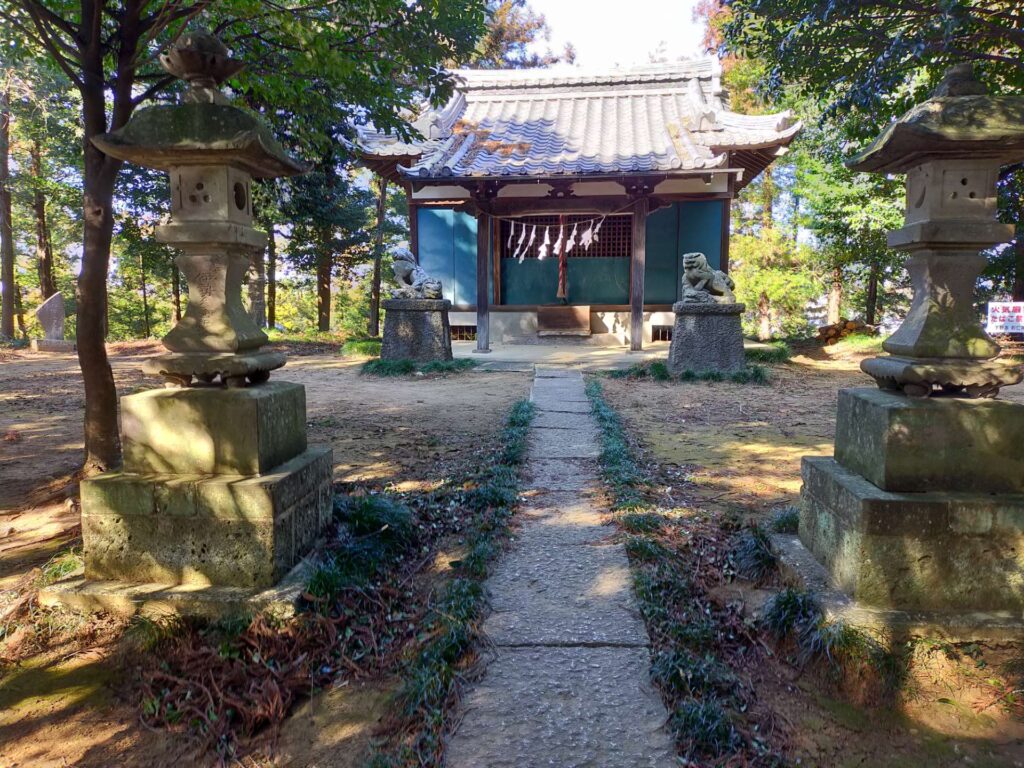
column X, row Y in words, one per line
column 917, row 523
column 707, row 338
column 220, row 499
column 416, row 329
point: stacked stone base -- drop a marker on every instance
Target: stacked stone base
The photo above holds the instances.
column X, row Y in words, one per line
column 707, row 338
column 52, row 345
column 220, row 499
column 416, row 329
column 922, row 509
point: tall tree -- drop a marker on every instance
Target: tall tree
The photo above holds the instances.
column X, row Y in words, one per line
column 7, row 297
column 514, row 33
column 377, row 55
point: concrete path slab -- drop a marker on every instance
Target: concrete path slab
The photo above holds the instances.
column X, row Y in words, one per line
column 563, row 708
column 567, row 681
column 563, row 443
column 543, row 419
column 561, row 474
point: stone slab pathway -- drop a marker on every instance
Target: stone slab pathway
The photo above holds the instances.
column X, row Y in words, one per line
column 566, row 683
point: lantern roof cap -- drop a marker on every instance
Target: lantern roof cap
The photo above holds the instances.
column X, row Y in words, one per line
column 960, row 120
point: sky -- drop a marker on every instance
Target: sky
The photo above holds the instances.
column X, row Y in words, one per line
column 607, row 33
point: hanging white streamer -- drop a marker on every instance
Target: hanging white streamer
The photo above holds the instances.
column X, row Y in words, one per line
column 571, row 242
column 542, row 251
column 519, row 245
column 511, row 234
column 529, row 243
column 557, row 247
column 587, row 237
column 598, row 228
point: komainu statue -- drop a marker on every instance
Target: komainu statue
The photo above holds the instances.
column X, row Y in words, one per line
column 413, row 282
column 704, row 285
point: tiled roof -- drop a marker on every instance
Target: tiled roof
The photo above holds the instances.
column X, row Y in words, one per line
column 571, row 122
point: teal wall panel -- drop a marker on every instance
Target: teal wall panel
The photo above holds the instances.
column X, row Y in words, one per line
column 661, row 277
column 465, row 258
column 447, row 251
column 447, row 245
column 591, row 281
column 700, row 229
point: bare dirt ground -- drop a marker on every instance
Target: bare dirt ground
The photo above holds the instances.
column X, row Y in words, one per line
column 738, row 448
column 73, row 702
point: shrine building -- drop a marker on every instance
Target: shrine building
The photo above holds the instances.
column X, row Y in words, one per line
column 561, row 201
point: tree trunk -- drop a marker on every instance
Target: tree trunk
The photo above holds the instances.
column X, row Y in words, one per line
column 6, row 225
column 145, row 298
column 835, row 296
column 19, row 311
column 176, row 291
column 44, row 247
column 323, row 291
column 271, row 280
column 378, row 255
column 871, row 302
column 764, row 317
column 257, row 286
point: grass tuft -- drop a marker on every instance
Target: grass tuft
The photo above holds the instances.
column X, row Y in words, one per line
column 774, row 352
column 785, row 520
column 361, row 348
column 708, row 729
column 791, row 610
column 60, row 565
column 656, row 370
column 389, row 368
column 753, row 557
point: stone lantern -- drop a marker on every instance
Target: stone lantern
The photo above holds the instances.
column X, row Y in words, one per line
column 951, row 147
column 919, row 516
column 219, row 497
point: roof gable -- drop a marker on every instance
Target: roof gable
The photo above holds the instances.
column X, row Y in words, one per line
column 571, row 122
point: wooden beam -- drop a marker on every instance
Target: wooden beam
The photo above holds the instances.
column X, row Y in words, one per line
column 637, row 269
column 483, row 304
column 414, row 229
column 726, row 225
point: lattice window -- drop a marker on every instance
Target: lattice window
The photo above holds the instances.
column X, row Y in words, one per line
column 614, row 240
column 463, row 332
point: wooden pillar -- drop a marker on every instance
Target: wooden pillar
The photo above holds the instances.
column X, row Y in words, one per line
column 636, row 275
column 483, row 304
column 726, row 225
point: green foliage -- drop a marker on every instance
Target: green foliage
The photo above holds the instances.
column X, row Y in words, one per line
column 361, row 348
column 753, row 557
column 448, row 366
column 377, row 515
column 656, row 370
column 775, row 352
column 776, row 279
column 618, row 466
column 872, row 58
column 641, row 522
column 389, row 367
column 514, row 32
column 785, row 520
column 688, row 674
column 791, row 610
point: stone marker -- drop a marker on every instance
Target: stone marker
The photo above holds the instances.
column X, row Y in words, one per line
column 51, row 314
column 416, row 323
column 219, row 497
column 707, row 336
column 921, row 512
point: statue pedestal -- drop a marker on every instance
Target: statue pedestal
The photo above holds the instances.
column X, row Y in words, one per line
column 416, row 329
column 921, row 512
column 707, row 338
column 52, row 345
column 219, row 496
